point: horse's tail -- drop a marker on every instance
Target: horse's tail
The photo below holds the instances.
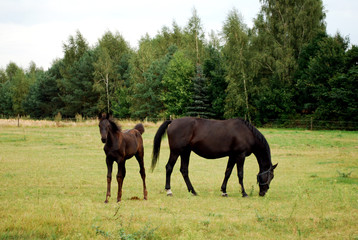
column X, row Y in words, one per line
column 157, row 140
column 140, row 128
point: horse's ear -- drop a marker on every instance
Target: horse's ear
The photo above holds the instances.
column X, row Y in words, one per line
column 274, row 166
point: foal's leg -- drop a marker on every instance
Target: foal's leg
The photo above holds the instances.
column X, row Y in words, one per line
column 240, row 174
column 109, row 163
column 140, row 160
column 120, row 177
column 184, row 169
column 169, row 168
column 230, row 165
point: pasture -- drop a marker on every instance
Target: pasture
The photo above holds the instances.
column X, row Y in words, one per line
column 53, row 186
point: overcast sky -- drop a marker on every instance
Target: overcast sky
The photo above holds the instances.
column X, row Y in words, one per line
column 35, row 30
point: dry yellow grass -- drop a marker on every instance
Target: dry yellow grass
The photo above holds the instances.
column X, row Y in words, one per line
column 13, row 122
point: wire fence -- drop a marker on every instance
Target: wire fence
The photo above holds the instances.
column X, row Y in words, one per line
column 312, row 124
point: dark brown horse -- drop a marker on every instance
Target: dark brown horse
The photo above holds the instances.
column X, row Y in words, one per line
column 211, row 139
column 120, row 146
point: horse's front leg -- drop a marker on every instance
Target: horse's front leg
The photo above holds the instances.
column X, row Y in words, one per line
column 109, row 163
column 120, row 177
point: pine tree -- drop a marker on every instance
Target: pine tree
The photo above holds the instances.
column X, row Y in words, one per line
column 200, row 106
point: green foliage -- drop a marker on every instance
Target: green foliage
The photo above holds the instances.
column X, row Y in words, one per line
column 200, row 106
column 281, row 30
column 6, row 99
column 43, row 99
column 110, row 69
column 285, row 67
column 236, row 52
column 214, row 71
column 327, row 79
column 147, row 93
column 177, row 84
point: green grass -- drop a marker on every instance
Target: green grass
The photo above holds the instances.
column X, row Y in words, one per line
column 53, row 185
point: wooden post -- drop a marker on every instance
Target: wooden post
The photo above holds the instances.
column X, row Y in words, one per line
column 311, row 123
column 18, row 120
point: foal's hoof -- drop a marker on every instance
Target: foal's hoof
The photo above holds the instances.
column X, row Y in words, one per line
column 224, row 195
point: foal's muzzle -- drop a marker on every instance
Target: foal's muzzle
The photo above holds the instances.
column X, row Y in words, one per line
column 103, row 140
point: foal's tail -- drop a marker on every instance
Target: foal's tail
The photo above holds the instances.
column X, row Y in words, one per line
column 157, row 140
column 140, row 128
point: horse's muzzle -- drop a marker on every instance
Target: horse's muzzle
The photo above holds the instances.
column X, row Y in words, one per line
column 262, row 194
column 103, row 140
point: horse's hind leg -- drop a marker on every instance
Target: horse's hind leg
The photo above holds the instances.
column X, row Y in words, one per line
column 169, row 169
column 184, row 169
column 240, row 174
column 140, row 160
column 120, row 177
column 230, row 165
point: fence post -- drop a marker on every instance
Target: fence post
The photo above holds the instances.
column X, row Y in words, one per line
column 311, row 123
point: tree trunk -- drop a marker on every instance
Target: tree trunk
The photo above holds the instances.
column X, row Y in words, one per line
column 246, row 99
column 107, row 91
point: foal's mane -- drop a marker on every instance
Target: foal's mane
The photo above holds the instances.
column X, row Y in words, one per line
column 114, row 126
column 258, row 135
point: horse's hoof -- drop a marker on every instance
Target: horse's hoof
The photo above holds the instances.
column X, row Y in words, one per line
column 169, row 193
column 245, row 195
column 224, row 195
column 106, row 201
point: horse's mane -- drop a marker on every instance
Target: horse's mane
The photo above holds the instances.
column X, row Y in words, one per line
column 259, row 136
column 115, row 127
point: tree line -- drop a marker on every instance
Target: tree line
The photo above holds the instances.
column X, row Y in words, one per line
column 285, row 67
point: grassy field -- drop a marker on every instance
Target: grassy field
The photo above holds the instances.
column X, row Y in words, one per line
column 53, row 185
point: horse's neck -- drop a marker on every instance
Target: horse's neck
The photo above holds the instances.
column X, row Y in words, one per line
column 112, row 138
column 263, row 159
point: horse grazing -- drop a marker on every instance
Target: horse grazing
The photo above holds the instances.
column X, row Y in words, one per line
column 120, row 146
column 211, row 139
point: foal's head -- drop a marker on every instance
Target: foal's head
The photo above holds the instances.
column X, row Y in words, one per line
column 106, row 125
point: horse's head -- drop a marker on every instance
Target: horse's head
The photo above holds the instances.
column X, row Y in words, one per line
column 104, row 126
column 264, row 179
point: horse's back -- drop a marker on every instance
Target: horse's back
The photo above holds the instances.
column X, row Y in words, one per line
column 210, row 138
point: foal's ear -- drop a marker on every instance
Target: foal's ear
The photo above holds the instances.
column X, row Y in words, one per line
column 274, row 166
column 101, row 116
